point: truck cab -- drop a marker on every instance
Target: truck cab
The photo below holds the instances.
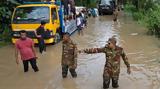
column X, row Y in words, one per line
column 28, row 17
column 106, row 7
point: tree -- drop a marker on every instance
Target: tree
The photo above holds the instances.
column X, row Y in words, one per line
column 86, row 3
column 6, row 9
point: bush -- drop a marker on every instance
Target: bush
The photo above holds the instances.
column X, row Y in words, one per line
column 6, row 9
column 148, row 16
column 138, row 16
column 5, row 36
column 153, row 20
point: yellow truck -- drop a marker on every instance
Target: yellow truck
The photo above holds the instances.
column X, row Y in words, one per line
column 29, row 16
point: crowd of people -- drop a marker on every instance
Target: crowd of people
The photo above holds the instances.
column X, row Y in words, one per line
column 25, row 47
column 81, row 20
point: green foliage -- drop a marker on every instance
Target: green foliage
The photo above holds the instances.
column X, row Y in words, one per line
column 153, row 20
column 138, row 15
column 6, row 36
column 6, row 9
column 87, row 3
column 92, row 5
column 130, row 8
column 148, row 15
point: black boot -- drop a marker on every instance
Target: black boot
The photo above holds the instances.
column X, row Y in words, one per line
column 64, row 76
column 73, row 73
column 115, row 83
column 105, row 86
column 106, row 83
column 64, row 71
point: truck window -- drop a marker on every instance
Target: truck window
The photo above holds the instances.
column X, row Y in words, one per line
column 54, row 14
column 106, row 2
column 30, row 15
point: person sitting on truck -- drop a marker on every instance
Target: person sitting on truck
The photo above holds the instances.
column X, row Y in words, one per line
column 79, row 24
column 70, row 17
column 84, row 16
column 66, row 20
column 73, row 8
column 66, row 8
column 40, row 34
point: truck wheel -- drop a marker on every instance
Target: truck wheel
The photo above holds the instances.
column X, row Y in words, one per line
column 111, row 13
column 100, row 13
column 57, row 38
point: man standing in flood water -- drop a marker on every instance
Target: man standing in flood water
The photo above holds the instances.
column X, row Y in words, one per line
column 25, row 46
column 69, row 57
column 112, row 65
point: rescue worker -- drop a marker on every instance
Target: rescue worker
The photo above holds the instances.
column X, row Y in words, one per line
column 69, row 56
column 112, row 65
column 115, row 14
column 40, row 34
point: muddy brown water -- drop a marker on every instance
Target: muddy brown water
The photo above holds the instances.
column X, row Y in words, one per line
column 142, row 50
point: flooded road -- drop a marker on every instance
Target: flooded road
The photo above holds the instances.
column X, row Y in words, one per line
column 142, row 50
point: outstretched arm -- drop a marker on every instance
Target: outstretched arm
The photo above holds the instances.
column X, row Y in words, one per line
column 94, row 50
column 125, row 59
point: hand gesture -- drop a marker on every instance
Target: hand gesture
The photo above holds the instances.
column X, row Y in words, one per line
column 128, row 70
column 80, row 51
column 36, row 57
column 17, row 60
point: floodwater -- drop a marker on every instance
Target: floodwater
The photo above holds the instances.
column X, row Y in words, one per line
column 142, row 50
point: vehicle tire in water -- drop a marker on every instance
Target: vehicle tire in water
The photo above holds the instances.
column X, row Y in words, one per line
column 57, row 38
column 111, row 13
column 100, row 13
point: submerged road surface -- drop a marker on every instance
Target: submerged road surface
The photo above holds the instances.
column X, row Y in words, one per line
column 142, row 50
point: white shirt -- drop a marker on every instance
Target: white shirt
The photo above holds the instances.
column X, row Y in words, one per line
column 78, row 21
column 82, row 15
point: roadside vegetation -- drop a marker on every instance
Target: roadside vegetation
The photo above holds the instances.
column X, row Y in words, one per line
column 6, row 9
column 147, row 13
column 87, row 3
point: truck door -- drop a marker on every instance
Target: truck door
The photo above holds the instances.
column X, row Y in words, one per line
column 55, row 20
